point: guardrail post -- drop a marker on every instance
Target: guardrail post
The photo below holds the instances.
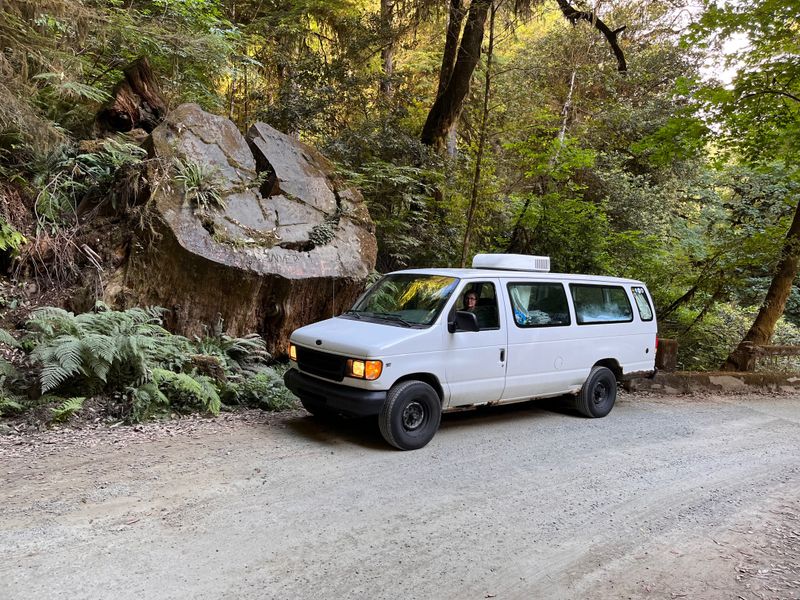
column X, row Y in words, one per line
column 667, row 355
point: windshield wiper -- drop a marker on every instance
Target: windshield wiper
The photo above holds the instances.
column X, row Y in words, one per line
column 393, row 317
column 354, row 313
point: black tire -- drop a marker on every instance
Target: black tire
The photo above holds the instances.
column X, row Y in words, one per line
column 597, row 396
column 411, row 415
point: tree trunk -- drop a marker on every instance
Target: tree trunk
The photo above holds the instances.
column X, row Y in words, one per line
column 447, row 107
column 476, row 180
column 387, row 53
column 455, row 17
column 137, row 102
column 772, row 308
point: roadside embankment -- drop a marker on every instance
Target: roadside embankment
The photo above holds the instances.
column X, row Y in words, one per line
column 688, row 382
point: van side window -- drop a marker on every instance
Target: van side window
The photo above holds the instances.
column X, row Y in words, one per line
column 596, row 304
column 539, row 304
column 642, row 303
column 484, row 304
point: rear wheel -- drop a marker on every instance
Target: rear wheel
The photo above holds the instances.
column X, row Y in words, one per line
column 411, row 415
column 597, row 396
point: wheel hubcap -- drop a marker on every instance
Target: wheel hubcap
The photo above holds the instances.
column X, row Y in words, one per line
column 600, row 393
column 413, row 416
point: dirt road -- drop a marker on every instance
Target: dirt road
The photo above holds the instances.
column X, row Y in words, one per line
column 666, row 498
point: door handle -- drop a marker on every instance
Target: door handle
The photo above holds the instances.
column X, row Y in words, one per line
column 502, row 354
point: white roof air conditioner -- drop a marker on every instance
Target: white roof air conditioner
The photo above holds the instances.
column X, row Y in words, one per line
column 512, row 262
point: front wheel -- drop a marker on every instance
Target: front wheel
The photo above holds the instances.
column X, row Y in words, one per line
column 411, row 415
column 597, row 396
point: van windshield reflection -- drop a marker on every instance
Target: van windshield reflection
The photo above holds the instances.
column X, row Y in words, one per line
column 404, row 300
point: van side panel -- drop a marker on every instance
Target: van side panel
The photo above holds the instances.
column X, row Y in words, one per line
column 544, row 361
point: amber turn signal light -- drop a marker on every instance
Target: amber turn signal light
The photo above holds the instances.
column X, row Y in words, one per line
column 364, row 369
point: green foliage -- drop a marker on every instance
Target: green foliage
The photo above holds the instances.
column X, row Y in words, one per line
column 189, row 392
column 67, row 408
column 10, row 238
column 703, row 345
column 9, row 340
column 140, row 367
column 9, row 405
column 201, row 186
column 65, row 178
column 234, row 353
column 264, row 389
column 97, row 349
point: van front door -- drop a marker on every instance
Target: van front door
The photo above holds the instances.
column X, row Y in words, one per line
column 476, row 360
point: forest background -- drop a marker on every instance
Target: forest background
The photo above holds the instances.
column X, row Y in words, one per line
column 603, row 137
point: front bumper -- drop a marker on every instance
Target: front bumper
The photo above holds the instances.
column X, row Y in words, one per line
column 338, row 398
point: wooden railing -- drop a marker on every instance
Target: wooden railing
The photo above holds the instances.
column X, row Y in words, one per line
column 755, row 352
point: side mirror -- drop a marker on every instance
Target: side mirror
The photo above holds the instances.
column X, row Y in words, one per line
column 465, row 321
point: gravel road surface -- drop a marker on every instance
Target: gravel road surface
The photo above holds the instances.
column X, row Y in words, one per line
column 668, row 497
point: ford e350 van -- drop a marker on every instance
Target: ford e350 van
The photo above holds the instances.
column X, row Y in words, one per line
column 426, row 341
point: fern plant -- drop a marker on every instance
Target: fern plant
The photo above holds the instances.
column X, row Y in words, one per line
column 101, row 348
column 188, row 391
column 67, row 408
column 264, row 390
column 235, row 353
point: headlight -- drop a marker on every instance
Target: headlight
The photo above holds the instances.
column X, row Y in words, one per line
column 364, row 369
column 292, row 352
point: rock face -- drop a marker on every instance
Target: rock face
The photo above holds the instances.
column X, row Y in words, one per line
column 255, row 230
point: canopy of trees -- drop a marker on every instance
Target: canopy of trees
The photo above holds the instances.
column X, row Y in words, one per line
column 600, row 134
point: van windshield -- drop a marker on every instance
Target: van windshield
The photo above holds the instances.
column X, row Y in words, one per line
column 405, row 300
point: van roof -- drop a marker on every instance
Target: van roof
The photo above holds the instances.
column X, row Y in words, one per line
column 509, row 274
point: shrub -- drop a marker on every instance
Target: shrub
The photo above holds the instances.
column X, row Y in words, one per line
column 141, row 368
column 264, row 389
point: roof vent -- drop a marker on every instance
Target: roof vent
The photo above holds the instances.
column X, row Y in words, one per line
column 512, row 262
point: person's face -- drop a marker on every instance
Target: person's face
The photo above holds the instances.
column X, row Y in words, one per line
column 471, row 300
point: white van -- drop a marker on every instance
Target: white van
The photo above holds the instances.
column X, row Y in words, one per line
column 426, row 341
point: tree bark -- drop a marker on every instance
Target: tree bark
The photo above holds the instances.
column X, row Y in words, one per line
column 476, row 180
column 771, row 309
column 137, row 102
column 573, row 16
column 387, row 52
column 447, row 107
column 455, row 17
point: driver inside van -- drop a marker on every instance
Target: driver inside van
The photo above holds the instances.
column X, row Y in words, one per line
column 486, row 315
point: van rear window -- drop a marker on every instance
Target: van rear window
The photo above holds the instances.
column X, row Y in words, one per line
column 539, row 304
column 595, row 304
column 642, row 303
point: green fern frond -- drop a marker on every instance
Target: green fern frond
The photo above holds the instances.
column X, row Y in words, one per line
column 9, row 405
column 7, row 369
column 67, row 351
column 188, row 390
column 50, row 321
column 100, row 346
column 52, row 376
column 8, row 339
column 67, row 408
column 146, row 400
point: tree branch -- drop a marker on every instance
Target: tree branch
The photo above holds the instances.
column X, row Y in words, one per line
column 574, row 15
column 771, row 92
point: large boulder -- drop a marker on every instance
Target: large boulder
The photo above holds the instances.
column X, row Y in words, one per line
column 258, row 231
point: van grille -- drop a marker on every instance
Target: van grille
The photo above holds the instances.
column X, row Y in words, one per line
column 321, row 364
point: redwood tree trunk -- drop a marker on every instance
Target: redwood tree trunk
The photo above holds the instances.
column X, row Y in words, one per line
column 772, row 308
column 476, row 180
column 137, row 101
column 447, row 107
column 455, row 17
column 387, row 53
